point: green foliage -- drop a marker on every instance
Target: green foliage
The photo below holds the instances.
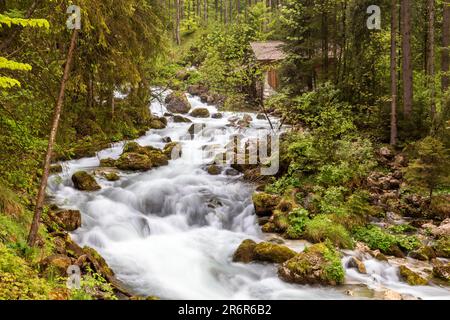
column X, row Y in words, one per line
column 321, row 228
column 93, row 285
column 402, row 228
column 297, row 223
column 334, row 269
column 431, row 165
column 377, row 238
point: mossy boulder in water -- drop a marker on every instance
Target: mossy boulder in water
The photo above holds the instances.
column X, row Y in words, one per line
column 442, row 247
column 158, row 123
column 442, row 271
column 107, row 163
column 217, row 116
column 181, row 119
column 69, row 220
column 134, row 162
column 317, row 264
column 272, row 252
column 357, row 264
column 200, row 113
column 245, row 252
column 265, row 203
column 177, row 102
column 158, row 158
column 214, row 170
column 111, row 176
column 172, row 150
column 84, row 181
column 411, row 277
column 423, row 253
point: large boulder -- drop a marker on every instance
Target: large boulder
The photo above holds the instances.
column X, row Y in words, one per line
column 200, row 113
column 272, row 252
column 158, row 123
column 265, row 203
column 214, row 170
column 58, row 262
column 84, row 181
column 245, row 253
column 317, row 264
column 411, row 277
column 107, row 163
column 69, row 220
column 134, row 162
column 158, row 158
column 177, row 102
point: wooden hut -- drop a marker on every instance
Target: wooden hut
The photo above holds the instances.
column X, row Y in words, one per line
column 268, row 54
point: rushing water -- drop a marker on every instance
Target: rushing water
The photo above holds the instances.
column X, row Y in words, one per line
column 171, row 231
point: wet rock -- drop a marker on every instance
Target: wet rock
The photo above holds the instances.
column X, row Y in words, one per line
column 56, row 168
column 196, row 128
column 177, row 102
column 172, row 150
column 441, row 270
column 411, row 277
column 166, row 139
column 134, row 162
column 99, row 264
column 181, row 119
column 247, row 118
column 281, row 220
column 442, row 247
column 84, row 181
column 261, row 116
column 200, row 113
column 312, row 266
column 158, row 158
column 217, row 116
column 197, row 90
column 111, row 176
column 245, row 252
column 107, row 163
column 272, row 252
column 214, row 170
column 158, row 123
column 275, row 240
column 269, row 227
column 424, row 253
column 263, row 220
column 69, row 220
column 231, row 172
column 357, row 264
column 379, row 256
column 265, row 203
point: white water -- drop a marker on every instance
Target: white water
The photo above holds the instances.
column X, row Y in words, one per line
column 171, row 231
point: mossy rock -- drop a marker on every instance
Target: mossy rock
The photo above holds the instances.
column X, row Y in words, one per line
column 132, row 146
column 269, row 227
column 111, row 176
column 172, row 150
column 245, row 253
column 200, row 113
column 442, row 247
column 265, row 203
column 107, row 163
column 195, row 128
column 98, row 262
column 411, row 277
column 84, row 181
column 214, row 170
column 280, row 220
column 217, row 116
column 158, row 158
column 272, row 252
column 424, row 253
column 177, row 102
column 442, row 271
column 317, row 264
column 440, row 207
column 158, row 123
column 134, row 162
column 56, row 168
column 357, row 264
column 181, row 119
column 58, row 262
column 68, row 220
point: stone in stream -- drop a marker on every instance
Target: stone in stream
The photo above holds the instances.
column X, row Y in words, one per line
column 317, row 264
column 249, row 251
column 214, row 170
column 357, row 264
column 441, row 270
column 411, row 277
column 166, row 140
column 172, row 150
column 261, row 116
column 158, row 123
column 196, row 128
column 177, row 102
column 217, row 116
column 56, row 168
column 107, row 163
column 134, row 162
column 200, row 113
column 181, row 119
column 265, row 203
column 69, row 220
column 245, row 252
column 84, row 181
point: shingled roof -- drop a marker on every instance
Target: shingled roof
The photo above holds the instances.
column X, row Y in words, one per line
column 268, row 50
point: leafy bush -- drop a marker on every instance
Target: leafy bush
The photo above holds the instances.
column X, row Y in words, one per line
column 321, row 228
column 297, row 223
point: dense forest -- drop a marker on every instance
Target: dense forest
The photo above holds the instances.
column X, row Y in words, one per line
column 363, row 116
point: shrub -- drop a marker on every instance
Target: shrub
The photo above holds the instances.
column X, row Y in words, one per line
column 297, row 223
column 321, row 228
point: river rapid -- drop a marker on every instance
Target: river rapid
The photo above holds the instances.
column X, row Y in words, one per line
column 171, row 232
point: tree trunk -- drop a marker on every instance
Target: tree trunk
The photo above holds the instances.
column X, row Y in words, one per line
column 51, row 142
column 177, row 23
column 406, row 58
column 205, row 11
column 394, row 25
column 445, row 58
column 430, row 57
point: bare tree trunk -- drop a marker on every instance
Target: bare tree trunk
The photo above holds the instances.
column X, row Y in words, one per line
column 445, row 58
column 406, row 58
column 177, row 23
column 51, row 142
column 430, row 61
column 394, row 24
